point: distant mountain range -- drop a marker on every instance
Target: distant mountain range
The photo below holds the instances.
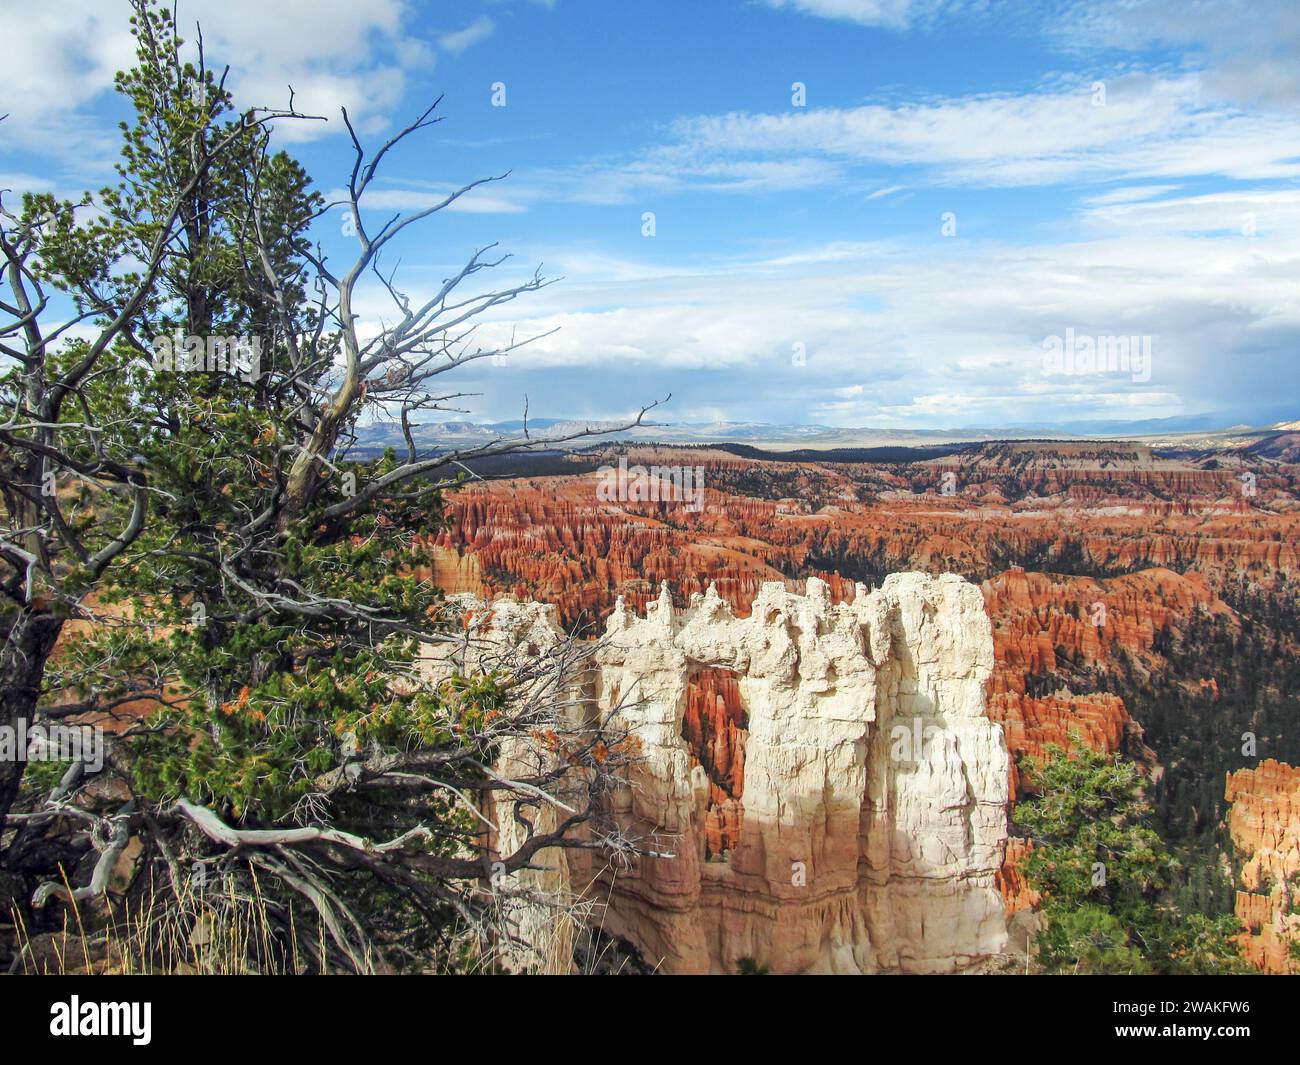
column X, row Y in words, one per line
column 1195, row 431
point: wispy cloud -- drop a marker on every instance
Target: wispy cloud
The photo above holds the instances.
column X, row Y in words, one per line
column 1128, row 194
column 1144, row 126
column 669, row 170
column 894, row 334
column 479, row 30
column 891, row 14
column 1140, row 128
column 481, row 200
column 1240, row 213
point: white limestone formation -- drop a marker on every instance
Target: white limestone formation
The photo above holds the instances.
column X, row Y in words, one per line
column 873, row 812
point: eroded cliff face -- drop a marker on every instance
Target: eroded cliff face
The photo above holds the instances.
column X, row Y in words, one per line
column 1265, row 826
column 1058, row 630
column 1172, row 550
column 715, row 727
column 551, row 538
column 822, row 779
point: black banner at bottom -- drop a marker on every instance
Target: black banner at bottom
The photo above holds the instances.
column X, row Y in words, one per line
column 290, row 1016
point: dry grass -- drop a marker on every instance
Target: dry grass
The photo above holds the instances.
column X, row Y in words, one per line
column 230, row 930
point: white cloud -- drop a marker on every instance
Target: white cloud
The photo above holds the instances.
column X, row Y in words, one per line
column 667, row 170
column 1150, row 129
column 897, row 335
column 58, row 55
column 481, row 200
column 1243, row 213
column 891, row 14
column 61, row 55
column 1160, row 127
column 57, row 60
column 1250, row 49
column 478, row 30
column 1128, row 194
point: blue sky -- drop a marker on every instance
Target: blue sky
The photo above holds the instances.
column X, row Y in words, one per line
column 962, row 183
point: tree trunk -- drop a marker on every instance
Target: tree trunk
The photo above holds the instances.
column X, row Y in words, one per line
column 28, row 643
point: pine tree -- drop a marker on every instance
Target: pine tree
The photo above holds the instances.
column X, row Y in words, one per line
column 1105, row 875
column 263, row 606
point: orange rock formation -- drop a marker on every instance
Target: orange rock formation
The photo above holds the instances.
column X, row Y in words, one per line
column 713, row 726
column 1265, row 826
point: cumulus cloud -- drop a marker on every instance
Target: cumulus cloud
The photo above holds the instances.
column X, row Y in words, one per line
column 1249, row 49
column 1185, row 225
column 61, row 56
column 896, row 335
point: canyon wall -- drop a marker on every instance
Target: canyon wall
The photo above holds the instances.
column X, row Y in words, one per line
column 551, row 538
column 820, row 778
column 1143, row 603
